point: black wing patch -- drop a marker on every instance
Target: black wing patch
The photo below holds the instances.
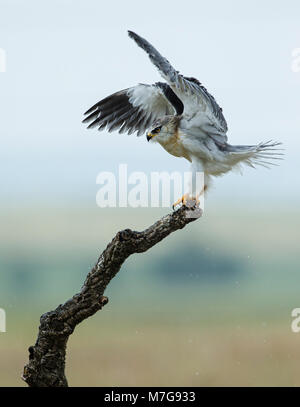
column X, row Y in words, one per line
column 115, row 111
column 172, row 97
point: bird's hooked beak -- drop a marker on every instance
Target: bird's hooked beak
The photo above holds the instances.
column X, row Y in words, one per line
column 150, row 136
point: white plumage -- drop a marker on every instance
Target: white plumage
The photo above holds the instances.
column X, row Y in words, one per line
column 185, row 120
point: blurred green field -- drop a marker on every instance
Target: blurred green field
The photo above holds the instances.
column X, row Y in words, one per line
column 141, row 352
column 209, row 306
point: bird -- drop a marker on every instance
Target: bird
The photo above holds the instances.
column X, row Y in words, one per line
column 184, row 118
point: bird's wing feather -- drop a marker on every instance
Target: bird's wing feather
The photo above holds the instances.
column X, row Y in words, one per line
column 196, row 99
column 134, row 109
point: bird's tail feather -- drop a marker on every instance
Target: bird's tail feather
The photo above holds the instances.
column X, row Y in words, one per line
column 263, row 154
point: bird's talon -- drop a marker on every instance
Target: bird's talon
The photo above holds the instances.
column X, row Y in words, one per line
column 182, row 201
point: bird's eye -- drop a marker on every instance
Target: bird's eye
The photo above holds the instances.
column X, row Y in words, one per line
column 156, row 130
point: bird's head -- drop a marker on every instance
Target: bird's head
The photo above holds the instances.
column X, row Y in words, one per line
column 163, row 128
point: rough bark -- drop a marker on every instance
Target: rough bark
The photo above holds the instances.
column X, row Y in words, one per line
column 46, row 366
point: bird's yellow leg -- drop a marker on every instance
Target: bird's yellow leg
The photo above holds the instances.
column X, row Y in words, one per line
column 197, row 198
column 187, row 198
column 183, row 200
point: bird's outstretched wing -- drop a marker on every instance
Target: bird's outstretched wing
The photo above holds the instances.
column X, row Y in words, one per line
column 134, row 109
column 193, row 95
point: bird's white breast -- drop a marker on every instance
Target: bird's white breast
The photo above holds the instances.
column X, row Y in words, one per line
column 176, row 144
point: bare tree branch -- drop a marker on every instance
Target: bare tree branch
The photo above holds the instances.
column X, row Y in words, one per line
column 46, row 366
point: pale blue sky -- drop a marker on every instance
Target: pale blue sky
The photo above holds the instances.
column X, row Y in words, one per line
column 63, row 56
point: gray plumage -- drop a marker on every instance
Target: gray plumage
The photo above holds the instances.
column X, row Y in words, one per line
column 181, row 83
column 184, row 117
